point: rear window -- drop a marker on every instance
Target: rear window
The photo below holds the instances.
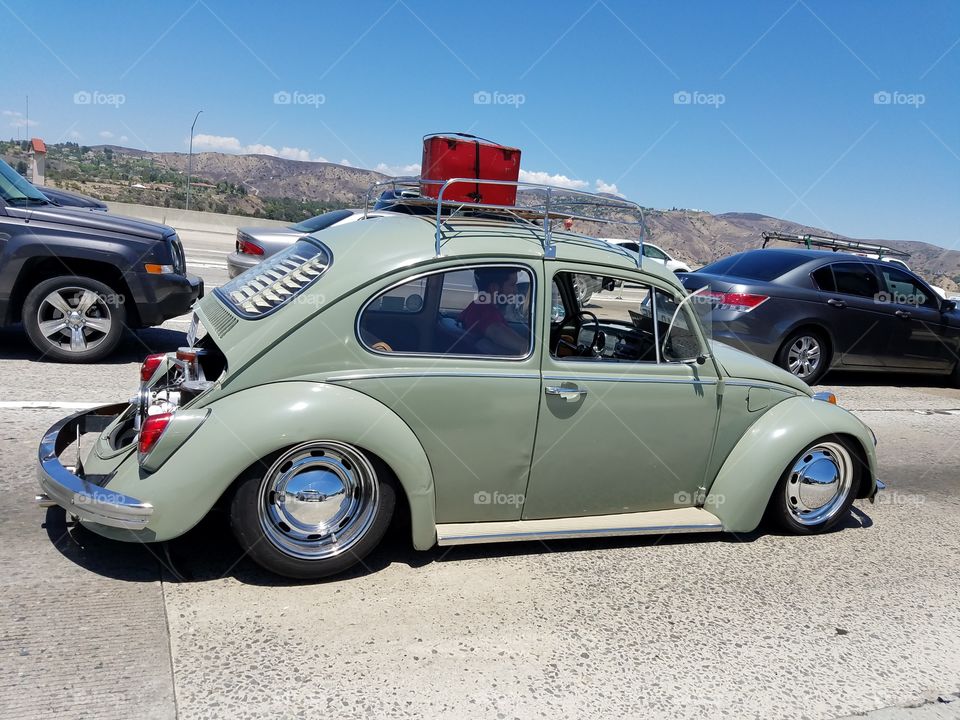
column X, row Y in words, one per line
column 763, row 265
column 322, row 222
column 277, row 280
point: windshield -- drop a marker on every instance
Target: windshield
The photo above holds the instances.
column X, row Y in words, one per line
column 322, row 222
column 15, row 189
column 763, row 265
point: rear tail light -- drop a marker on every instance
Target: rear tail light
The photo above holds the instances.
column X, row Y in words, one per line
column 738, row 302
column 248, row 247
column 150, row 365
column 150, row 432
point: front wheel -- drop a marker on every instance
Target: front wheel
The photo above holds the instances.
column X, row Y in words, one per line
column 319, row 508
column 817, row 489
column 73, row 319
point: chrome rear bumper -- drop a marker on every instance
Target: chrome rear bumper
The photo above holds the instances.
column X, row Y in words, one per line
column 61, row 486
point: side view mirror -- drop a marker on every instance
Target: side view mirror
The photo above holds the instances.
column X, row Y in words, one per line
column 948, row 305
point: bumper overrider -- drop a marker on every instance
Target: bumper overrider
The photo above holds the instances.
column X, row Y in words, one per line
column 59, row 485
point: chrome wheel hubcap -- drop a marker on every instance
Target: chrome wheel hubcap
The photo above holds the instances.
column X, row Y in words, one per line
column 74, row 319
column 819, row 483
column 803, row 358
column 318, row 500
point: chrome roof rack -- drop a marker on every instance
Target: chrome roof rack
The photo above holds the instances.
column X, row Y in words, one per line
column 811, row 241
column 539, row 205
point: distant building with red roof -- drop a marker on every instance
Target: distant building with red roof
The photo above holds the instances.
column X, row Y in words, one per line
column 38, row 161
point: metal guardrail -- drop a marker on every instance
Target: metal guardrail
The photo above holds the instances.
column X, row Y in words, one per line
column 555, row 203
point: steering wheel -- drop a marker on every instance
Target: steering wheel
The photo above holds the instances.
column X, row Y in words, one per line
column 596, row 343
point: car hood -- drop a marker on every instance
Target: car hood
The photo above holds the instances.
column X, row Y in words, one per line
column 741, row 365
column 94, row 221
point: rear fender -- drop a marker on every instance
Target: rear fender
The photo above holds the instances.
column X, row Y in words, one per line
column 742, row 489
column 247, row 426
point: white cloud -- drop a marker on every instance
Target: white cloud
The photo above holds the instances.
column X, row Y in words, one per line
column 398, row 170
column 123, row 138
column 609, row 188
column 105, row 134
column 544, row 178
column 346, row 162
column 17, row 120
column 230, row 144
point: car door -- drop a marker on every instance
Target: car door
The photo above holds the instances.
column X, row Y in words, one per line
column 859, row 325
column 921, row 337
column 622, row 428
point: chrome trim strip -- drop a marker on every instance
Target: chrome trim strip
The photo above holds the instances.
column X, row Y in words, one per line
column 75, row 494
column 573, row 534
column 428, row 373
column 759, row 384
column 629, row 379
column 460, row 356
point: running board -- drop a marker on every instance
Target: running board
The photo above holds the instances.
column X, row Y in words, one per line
column 653, row 522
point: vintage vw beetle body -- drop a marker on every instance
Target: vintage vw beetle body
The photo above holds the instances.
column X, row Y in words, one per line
column 478, row 446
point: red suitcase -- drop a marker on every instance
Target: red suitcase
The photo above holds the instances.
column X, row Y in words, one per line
column 464, row 156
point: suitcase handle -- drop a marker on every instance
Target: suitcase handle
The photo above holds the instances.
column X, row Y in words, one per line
column 460, row 134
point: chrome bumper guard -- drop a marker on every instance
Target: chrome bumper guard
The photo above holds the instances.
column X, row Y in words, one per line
column 61, row 486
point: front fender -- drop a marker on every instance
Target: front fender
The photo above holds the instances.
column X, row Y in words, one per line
column 741, row 491
column 249, row 425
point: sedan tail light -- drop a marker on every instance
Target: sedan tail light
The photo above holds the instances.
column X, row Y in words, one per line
column 151, row 431
column 738, row 302
column 248, row 247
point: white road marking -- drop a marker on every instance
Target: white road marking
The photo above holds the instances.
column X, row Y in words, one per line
column 218, row 266
column 45, row 405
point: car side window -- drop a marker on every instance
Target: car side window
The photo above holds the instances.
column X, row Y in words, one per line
column 652, row 252
column 900, row 288
column 483, row 311
column 851, row 278
column 613, row 321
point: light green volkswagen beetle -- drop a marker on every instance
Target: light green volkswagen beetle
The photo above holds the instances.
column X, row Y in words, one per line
column 441, row 366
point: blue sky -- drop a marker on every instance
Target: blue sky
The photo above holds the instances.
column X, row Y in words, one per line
column 843, row 115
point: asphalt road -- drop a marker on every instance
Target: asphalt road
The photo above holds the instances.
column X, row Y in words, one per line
column 758, row 626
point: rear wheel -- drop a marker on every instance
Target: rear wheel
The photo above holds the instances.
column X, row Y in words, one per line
column 73, row 319
column 805, row 355
column 319, row 508
column 817, row 489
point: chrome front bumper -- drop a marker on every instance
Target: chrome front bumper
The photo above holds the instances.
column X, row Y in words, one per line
column 61, row 486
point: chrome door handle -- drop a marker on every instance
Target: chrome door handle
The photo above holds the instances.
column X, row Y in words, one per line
column 902, row 314
column 567, row 393
column 836, row 303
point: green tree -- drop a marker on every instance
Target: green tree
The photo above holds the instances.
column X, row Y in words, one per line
column 22, row 168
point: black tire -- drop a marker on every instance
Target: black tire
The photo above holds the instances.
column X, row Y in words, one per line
column 803, row 337
column 100, row 325
column 256, row 508
column 786, row 507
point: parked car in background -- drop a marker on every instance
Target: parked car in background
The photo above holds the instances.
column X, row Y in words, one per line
column 812, row 310
column 76, row 278
column 652, row 252
column 64, row 198
column 360, row 372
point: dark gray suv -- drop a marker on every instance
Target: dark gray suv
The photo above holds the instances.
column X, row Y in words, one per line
column 76, row 278
column 809, row 311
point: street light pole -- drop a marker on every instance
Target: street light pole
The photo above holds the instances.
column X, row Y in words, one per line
column 190, row 156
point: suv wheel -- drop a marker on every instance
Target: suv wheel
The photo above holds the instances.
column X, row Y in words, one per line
column 320, row 507
column 805, row 354
column 73, row 319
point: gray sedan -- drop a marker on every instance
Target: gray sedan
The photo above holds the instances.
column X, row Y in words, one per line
column 810, row 310
column 254, row 244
